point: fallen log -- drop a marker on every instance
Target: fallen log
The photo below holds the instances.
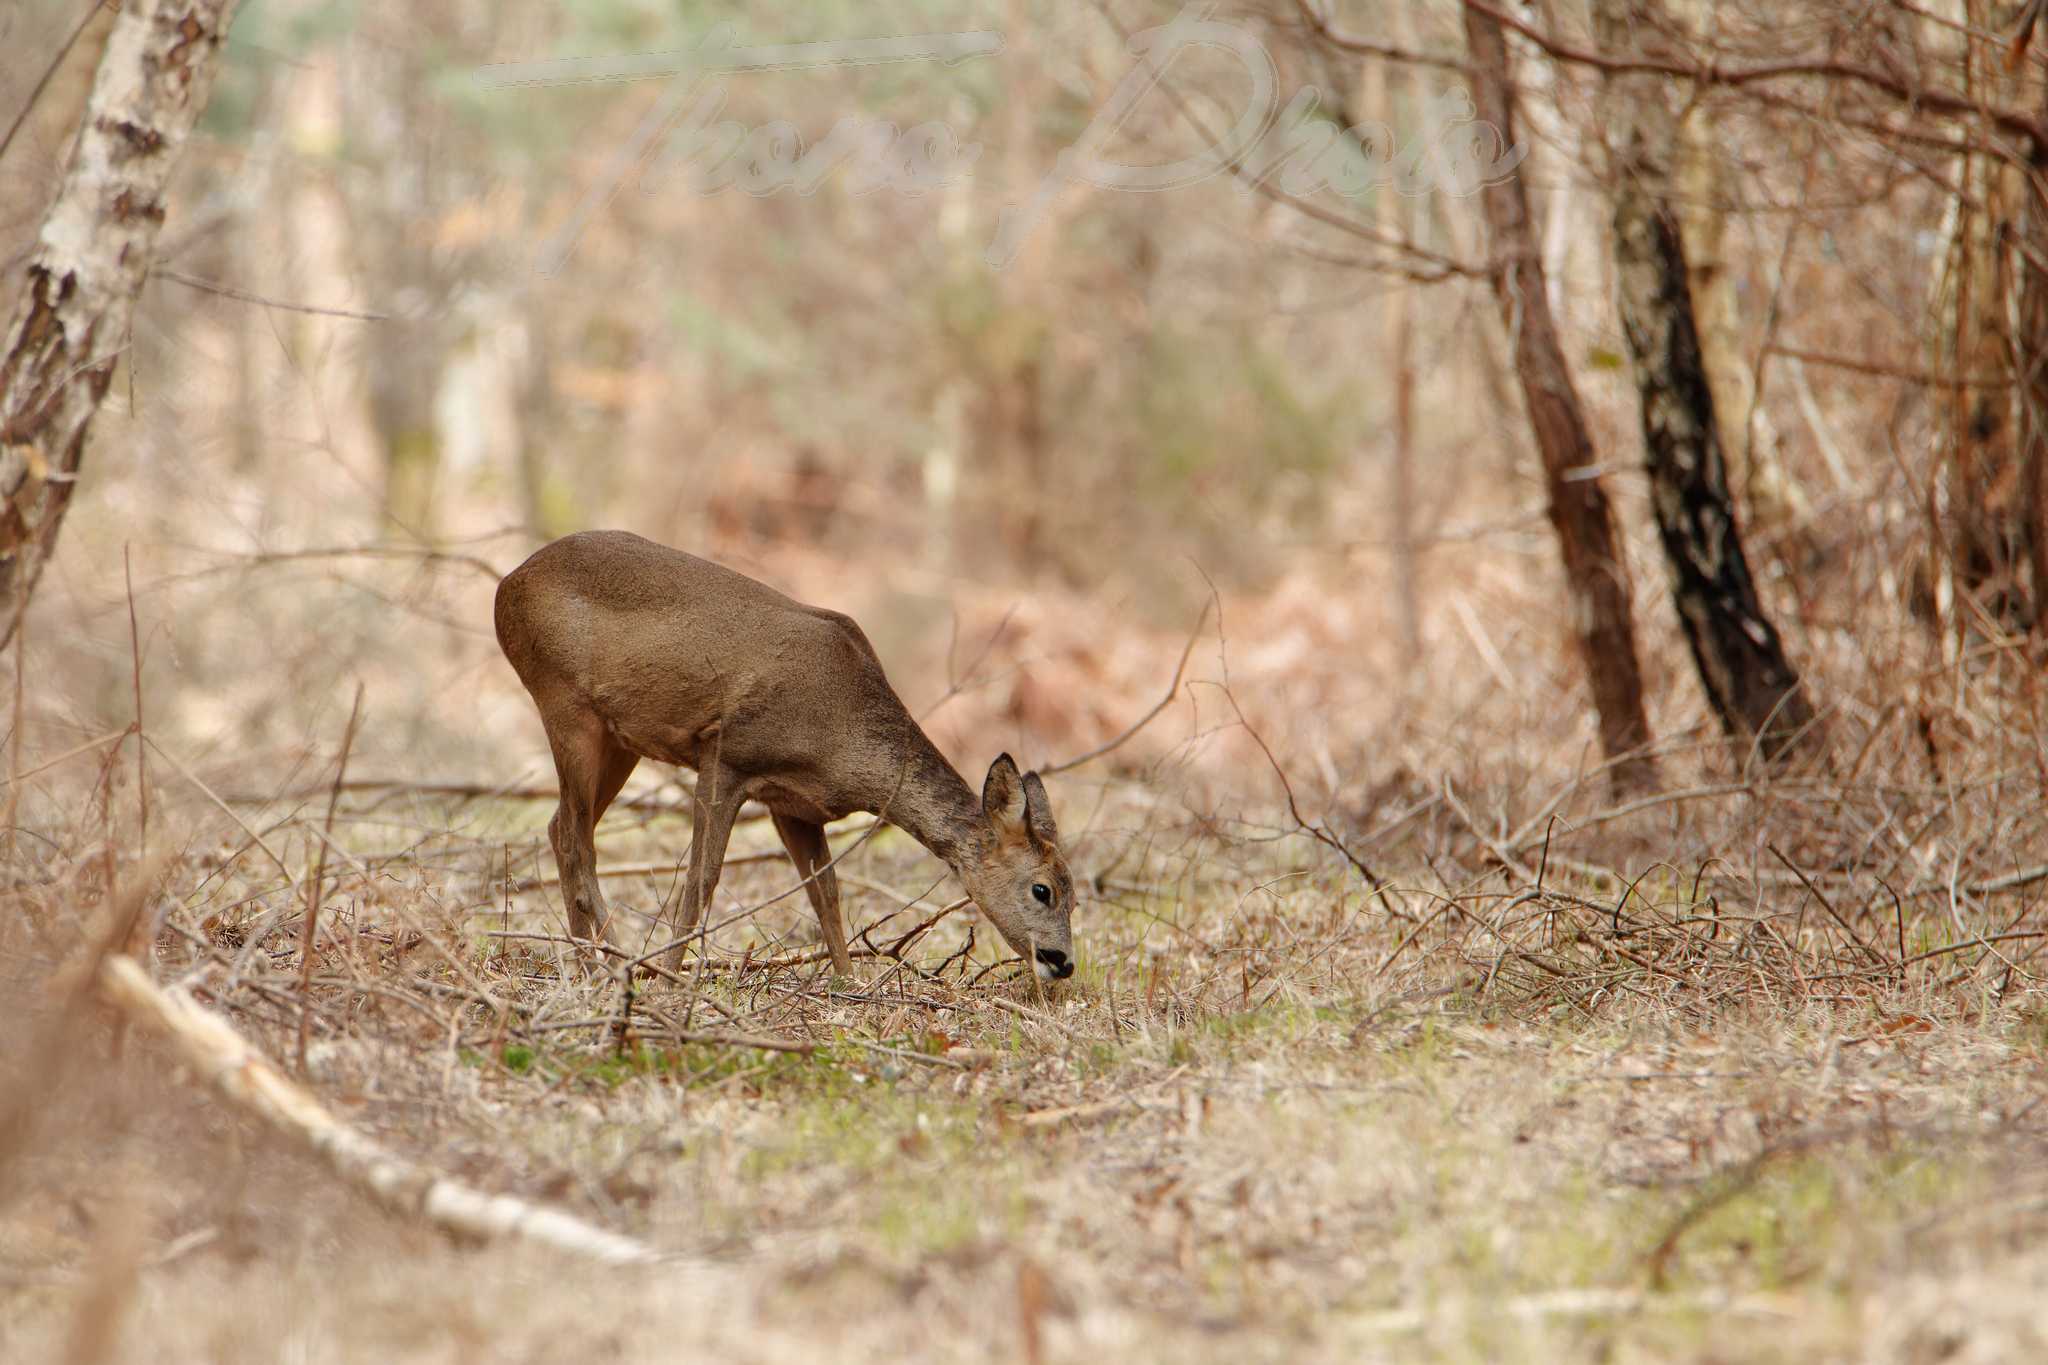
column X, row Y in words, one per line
column 210, row 1045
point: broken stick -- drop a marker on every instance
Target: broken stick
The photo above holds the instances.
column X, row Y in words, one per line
column 252, row 1081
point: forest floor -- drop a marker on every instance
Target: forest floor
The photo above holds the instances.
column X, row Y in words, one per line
column 1507, row 1106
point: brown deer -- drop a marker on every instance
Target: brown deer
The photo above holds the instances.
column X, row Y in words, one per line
column 633, row 650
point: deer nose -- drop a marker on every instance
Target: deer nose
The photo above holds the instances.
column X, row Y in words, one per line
column 1062, row 967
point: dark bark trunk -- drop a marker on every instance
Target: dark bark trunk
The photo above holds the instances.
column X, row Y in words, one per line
column 1596, row 578
column 2032, row 362
column 1751, row 685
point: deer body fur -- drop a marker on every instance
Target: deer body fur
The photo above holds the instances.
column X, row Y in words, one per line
column 633, row 650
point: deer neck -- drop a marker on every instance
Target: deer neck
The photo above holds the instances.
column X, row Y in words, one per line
column 931, row 802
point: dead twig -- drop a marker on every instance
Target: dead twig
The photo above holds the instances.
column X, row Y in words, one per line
column 309, row 934
column 249, row 1079
column 228, row 291
column 1172, row 691
column 226, row 809
column 1826, row 904
column 1314, row 831
column 43, row 81
column 141, row 751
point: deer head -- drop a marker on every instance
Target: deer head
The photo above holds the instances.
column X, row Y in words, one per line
column 1017, row 875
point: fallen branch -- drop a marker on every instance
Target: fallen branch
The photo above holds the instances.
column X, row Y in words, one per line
column 2024, row 877
column 666, row 868
column 247, row 1077
column 1592, row 1302
column 1046, row 1118
column 761, row 1042
column 465, row 790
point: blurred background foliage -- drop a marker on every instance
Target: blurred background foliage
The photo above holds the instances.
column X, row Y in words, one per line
column 1164, row 395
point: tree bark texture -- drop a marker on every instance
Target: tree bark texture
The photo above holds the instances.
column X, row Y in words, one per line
column 1596, row 577
column 77, row 292
column 1982, row 518
column 1750, row 683
column 2031, row 362
column 1765, row 491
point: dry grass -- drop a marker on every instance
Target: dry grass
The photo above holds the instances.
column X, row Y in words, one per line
column 1749, row 1070
column 1675, row 1078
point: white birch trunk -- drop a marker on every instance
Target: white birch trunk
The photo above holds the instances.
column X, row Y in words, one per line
column 77, row 291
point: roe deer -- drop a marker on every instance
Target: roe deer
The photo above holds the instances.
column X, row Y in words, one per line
column 633, row 650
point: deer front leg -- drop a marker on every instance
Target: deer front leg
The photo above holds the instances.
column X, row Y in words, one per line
column 718, row 805
column 812, row 856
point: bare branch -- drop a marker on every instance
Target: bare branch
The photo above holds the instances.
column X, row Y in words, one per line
column 1172, row 690
column 228, row 291
column 1707, row 71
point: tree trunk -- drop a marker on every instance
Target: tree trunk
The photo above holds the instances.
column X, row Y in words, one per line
column 1381, row 101
column 32, row 148
column 1990, row 315
column 1764, row 489
column 1752, row 686
column 1596, row 578
column 2031, row 361
column 71, row 321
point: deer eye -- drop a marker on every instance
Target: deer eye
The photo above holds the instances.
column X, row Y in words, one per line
column 1042, row 892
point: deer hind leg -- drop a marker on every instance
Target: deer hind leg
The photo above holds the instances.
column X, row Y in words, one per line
column 589, row 771
column 718, row 805
column 618, row 766
column 812, row 856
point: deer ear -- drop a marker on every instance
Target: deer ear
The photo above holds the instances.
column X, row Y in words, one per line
column 1038, row 812
column 1002, row 797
